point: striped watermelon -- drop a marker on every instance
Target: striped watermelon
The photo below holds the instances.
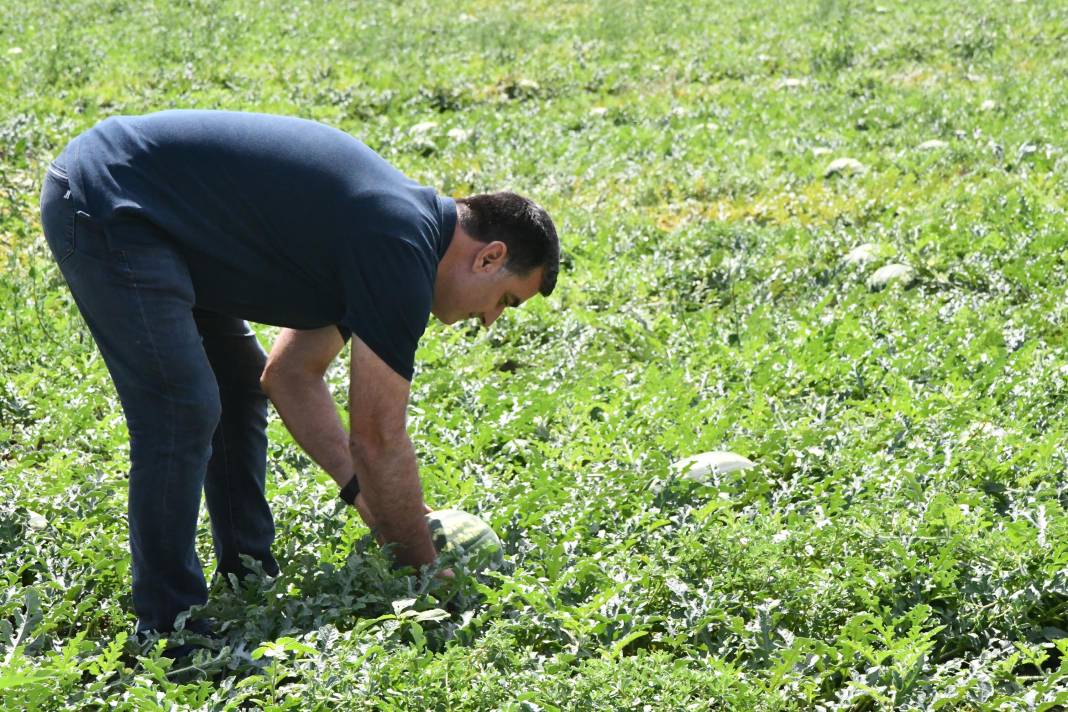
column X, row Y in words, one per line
column 466, row 535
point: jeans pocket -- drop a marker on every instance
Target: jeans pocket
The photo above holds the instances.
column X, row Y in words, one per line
column 58, row 172
column 57, row 216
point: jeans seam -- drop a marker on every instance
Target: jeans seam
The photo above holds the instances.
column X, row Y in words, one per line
column 71, row 226
column 163, row 374
column 231, row 531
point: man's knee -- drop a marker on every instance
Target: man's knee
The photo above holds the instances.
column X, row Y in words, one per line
column 205, row 411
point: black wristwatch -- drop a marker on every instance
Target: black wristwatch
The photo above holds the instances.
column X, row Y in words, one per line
column 349, row 491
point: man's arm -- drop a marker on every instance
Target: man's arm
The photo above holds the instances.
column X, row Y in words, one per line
column 384, row 456
column 293, row 380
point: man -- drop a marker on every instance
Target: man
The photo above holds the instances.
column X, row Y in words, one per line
column 172, row 229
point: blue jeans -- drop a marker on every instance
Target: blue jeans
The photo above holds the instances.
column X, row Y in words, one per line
column 188, row 381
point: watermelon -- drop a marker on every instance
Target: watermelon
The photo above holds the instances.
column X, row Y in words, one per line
column 466, row 536
column 709, row 465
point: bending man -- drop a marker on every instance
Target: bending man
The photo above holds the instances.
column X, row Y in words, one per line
column 173, row 229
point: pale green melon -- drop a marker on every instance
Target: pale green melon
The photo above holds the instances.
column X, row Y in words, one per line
column 465, row 534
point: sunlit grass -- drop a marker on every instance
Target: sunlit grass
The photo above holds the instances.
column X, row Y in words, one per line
column 902, row 540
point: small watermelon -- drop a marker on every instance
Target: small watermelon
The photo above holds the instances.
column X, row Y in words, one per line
column 709, row 465
column 465, row 534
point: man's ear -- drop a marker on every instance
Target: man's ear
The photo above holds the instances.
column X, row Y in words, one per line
column 491, row 257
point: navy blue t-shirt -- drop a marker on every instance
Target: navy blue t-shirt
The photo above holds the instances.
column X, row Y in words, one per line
column 282, row 220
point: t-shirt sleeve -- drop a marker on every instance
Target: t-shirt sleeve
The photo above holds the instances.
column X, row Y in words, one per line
column 388, row 295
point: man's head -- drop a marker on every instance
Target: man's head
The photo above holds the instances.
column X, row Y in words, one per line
column 504, row 251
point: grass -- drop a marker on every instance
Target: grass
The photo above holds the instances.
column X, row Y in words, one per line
column 902, row 541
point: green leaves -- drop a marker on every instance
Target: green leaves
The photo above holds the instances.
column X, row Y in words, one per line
column 901, row 541
column 280, row 649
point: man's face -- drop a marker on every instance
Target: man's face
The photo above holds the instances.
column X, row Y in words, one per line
column 483, row 289
column 488, row 300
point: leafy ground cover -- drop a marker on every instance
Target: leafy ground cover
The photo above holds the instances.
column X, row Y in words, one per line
column 902, row 542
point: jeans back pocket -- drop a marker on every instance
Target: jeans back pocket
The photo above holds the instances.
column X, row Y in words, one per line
column 57, row 215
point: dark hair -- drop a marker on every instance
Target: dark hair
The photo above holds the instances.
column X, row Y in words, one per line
column 519, row 223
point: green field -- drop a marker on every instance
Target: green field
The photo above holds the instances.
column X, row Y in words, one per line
column 902, row 542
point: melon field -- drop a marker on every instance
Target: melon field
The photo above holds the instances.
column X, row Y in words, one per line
column 826, row 235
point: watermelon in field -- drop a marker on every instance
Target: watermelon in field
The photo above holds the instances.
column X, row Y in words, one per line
column 709, row 465
column 465, row 534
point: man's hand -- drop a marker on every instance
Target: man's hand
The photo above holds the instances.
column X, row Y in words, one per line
column 369, row 519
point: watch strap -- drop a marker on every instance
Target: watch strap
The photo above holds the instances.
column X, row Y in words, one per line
column 349, row 491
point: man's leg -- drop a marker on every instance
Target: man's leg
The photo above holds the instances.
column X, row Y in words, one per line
column 241, row 521
column 135, row 293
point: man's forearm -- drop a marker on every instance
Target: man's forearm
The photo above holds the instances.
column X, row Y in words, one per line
column 389, row 481
column 306, row 407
